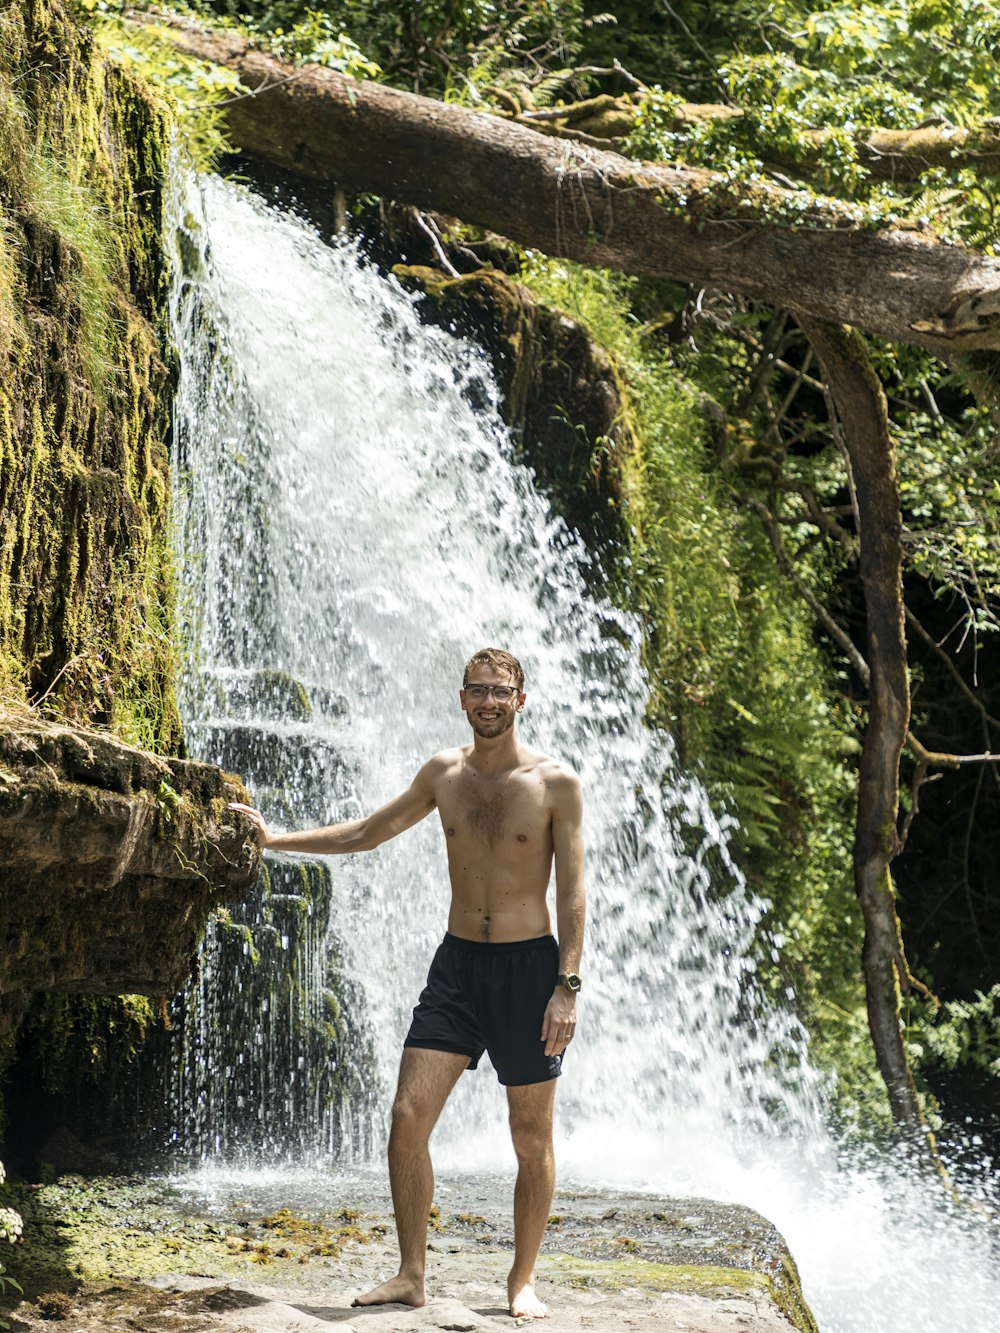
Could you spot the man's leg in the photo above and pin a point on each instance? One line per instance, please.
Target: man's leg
(531, 1129)
(425, 1080)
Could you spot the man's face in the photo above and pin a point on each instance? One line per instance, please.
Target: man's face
(488, 715)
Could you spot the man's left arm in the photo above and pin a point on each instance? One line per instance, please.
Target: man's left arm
(559, 1023)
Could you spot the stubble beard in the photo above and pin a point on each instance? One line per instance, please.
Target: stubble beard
(490, 730)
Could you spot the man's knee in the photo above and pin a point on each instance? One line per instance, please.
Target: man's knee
(531, 1136)
(411, 1117)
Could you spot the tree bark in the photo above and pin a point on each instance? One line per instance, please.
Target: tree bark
(577, 201)
(861, 406)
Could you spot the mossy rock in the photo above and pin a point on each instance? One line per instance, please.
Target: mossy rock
(86, 583)
(565, 397)
(113, 859)
(705, 1280)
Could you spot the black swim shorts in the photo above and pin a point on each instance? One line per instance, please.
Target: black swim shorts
(490, 997)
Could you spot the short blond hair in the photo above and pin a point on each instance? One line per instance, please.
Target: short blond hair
(499, 661)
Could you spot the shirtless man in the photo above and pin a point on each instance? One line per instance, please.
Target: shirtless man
(498, 982)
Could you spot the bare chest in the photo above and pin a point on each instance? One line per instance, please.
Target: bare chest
(510, 813)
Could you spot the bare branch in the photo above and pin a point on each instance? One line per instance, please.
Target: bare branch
(952, 669)
(836, 631)
(943, 759)
(429, 228)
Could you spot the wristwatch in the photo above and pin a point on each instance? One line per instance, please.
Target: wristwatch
(570, 980)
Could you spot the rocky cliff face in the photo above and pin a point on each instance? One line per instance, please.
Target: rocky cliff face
(85, 582)
(111, 854)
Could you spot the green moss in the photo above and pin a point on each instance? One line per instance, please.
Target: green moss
(78, 1038)
(86, 584)
(314, 1238)
(239, 935)
(615, 1275)
(119, 1231)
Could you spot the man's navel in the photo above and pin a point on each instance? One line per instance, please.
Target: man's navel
(522, 837)
(450, 832)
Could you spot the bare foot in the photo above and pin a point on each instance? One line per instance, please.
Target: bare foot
(524, 1304)
(398, 1290)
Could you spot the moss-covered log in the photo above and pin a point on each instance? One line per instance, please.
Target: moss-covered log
(823, 257)
(887, 155)
(112, 859)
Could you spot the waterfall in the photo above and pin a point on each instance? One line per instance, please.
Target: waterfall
(354, 524)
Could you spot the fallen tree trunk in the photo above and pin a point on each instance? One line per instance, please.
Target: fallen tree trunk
(573, 200)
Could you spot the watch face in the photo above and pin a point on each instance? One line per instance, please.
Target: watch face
(571, 981)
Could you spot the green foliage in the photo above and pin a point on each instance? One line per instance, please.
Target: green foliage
(72, 209)
(195, 91)
(810, 81)
(942, 51)
(315, 40)
(429, 45)
(785, 457)
(958, 1033)
(735, 671)
(948, 470)
(949, 487)
(11, 1226)
(30, 156)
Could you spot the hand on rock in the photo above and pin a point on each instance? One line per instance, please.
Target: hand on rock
(257, 821)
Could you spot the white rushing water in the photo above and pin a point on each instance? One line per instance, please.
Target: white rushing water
(354, 525)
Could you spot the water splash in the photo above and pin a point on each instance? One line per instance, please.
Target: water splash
(354, 525)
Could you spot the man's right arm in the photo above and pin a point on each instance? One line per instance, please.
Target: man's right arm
(356, 835)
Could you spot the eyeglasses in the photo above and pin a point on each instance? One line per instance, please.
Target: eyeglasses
(502, 693)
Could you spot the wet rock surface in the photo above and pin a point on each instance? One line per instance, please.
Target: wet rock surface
(112, 1254)
(112, 859)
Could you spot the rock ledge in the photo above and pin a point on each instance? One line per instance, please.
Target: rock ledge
(111, 859)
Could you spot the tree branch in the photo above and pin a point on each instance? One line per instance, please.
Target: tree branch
(863, 413)
(952, 669)
(836, 632)
(944, 759)
(898, 156)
